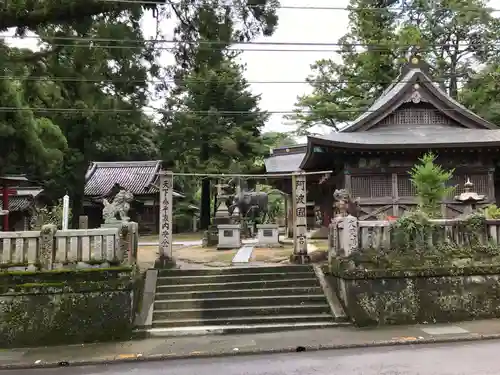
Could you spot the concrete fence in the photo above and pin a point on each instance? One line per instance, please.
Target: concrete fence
(77, 248)
(348, 234)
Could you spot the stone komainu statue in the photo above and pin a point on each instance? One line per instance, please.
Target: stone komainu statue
(118, 209)
(344, 204)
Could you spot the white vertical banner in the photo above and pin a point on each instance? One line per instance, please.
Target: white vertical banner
(166, 204)
(299, 201)
(65, 212)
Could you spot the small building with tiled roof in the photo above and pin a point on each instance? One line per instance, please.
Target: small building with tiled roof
(371, 157)
(23, 201)
(104, 180)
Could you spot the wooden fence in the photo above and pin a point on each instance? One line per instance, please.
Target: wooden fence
(349, 234)
(68, 248)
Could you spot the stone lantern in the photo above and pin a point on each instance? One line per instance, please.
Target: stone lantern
(469, 197)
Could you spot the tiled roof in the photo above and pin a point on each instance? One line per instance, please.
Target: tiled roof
(138, 177)
(284, 163)
(17, 203)
(135, 176)
(411, 138)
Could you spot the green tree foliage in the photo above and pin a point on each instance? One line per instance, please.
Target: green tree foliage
(24, 15)
(277, 139)
(451, 35)
(482, 93)
(209, 85)
(99, 102)
(340, 90)
(431, 184)
(26, 140)
(219, 115)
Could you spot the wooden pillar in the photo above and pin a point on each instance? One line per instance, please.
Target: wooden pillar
(395, 195)
(491, 185)
(299, 201)
(165, 255)
(289, 216)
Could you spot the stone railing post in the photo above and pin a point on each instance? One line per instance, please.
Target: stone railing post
(47, 246)
(128, 242)
(333, 239)
(350, 235)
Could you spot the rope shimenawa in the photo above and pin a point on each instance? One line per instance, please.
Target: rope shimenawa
(222, 175)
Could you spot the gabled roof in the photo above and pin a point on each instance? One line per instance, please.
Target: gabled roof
(416, 72)
(138, 177)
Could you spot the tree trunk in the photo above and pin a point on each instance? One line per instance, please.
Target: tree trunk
(205, 204)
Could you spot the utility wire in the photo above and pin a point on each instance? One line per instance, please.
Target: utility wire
(213, 112)
(373, 48)
(123, 43)
(299, 7)
(190, 80)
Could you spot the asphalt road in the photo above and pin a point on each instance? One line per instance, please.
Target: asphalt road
(479, 358)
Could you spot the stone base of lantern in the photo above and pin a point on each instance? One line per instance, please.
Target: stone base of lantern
(300, 258)
(268, 235)
(229, 237)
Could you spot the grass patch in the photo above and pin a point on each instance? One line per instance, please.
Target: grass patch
(204, 255)
(190, 236)
(320, 244)
(271, 255)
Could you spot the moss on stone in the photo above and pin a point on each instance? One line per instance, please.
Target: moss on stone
(65, 306)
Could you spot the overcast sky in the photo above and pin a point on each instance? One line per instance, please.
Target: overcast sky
(300, 26)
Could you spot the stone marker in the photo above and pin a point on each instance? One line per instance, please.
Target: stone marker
(268, 234)
(229, 236)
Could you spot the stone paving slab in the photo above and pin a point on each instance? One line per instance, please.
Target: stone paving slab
(243, 255)
(233, 344)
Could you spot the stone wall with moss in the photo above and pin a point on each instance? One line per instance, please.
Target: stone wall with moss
(65, 306)
(378, 297)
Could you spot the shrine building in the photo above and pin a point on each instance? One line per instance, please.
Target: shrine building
(371, 157)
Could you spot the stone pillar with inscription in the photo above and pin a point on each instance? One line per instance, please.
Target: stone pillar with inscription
(299, 212)
(165, 256)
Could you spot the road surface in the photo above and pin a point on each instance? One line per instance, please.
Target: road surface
(473, 358)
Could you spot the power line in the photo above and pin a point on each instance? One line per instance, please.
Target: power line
(302, 7)
(123, 43)
(190, 80)
(373, 48)
(163, 111)
(173, 49)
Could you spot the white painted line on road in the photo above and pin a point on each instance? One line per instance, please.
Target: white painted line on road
(444, 330)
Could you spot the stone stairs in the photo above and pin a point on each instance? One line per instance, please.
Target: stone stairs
(279, 297)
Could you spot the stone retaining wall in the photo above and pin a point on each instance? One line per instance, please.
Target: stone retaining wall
(378, 297)
(65, 306)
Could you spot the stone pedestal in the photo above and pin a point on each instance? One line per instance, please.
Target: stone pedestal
(229, 236)
(268, 234)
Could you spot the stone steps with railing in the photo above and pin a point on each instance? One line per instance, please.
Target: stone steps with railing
(280, 297)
